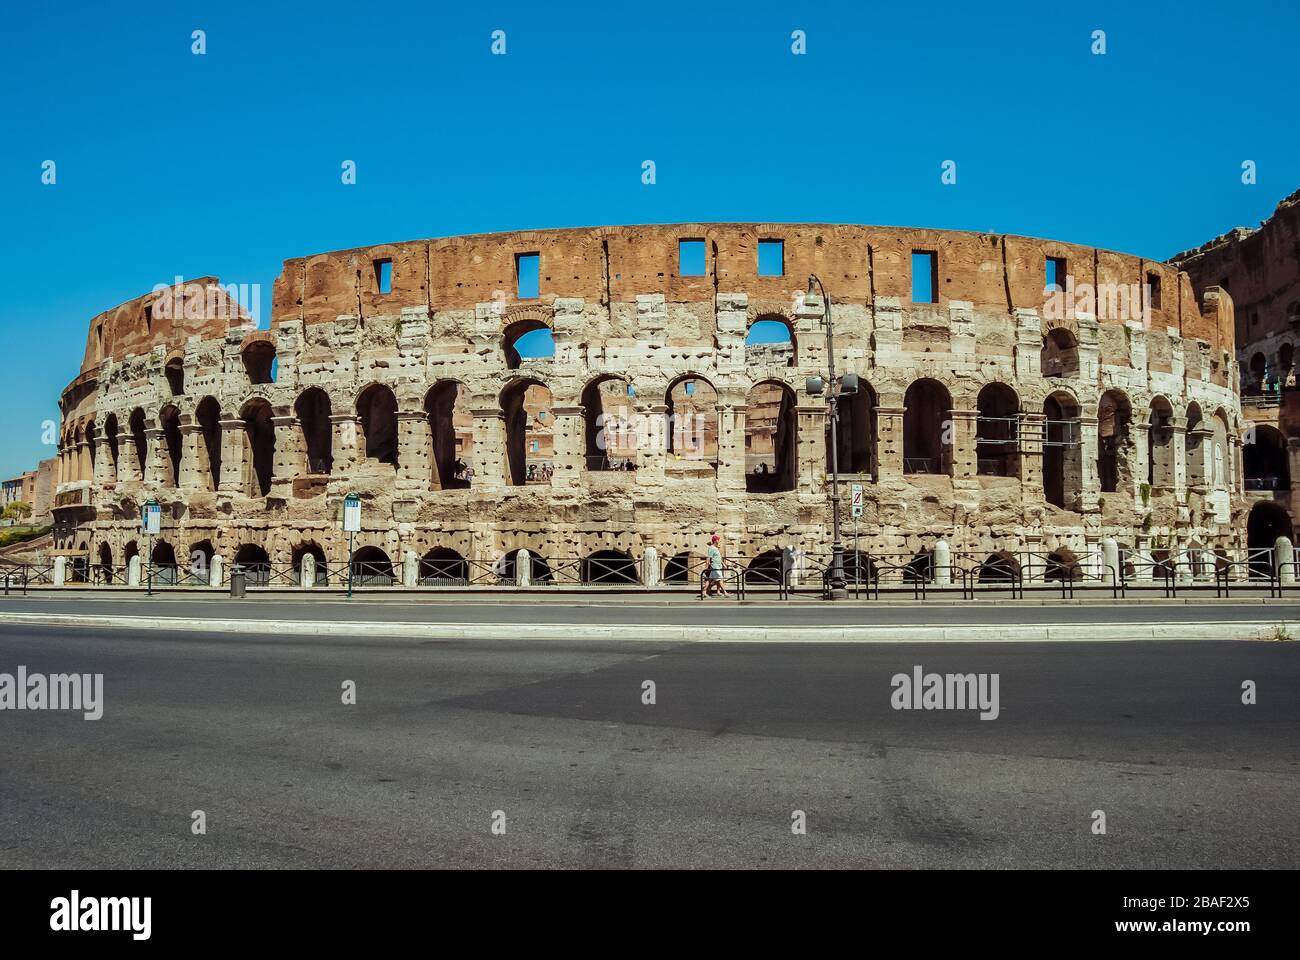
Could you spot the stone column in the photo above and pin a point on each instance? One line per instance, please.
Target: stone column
(964, 451)
(1199, 442)
(651, 427)
(1090, 481)
(810, 454)
(569, 443)
(1032, 433)
(414, 449)
(731, 448)
(889, 442)
(128, 464)
(105, 474)
(489, 457)
(159, 469)
(191, 477)
(290, 456)
(1179, 442)
(236, 457)
(346, 442)
(1139, 460)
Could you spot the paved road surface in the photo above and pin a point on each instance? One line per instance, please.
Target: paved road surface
(251, 730)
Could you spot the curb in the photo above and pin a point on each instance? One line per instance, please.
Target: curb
(672, 633)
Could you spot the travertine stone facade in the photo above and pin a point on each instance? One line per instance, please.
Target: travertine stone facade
(987, 417)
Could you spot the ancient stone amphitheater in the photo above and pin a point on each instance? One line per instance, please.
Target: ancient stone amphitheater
(992, 413)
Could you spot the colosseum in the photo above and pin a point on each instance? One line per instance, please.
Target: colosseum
(1015, 397)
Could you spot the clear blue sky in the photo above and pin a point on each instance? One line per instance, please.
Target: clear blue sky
(227, 163)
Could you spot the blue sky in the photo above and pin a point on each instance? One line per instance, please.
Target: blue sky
(227, 163)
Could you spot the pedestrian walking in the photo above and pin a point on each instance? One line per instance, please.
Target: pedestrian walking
(715, 583)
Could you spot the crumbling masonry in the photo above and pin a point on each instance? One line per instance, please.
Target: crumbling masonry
(986, 416)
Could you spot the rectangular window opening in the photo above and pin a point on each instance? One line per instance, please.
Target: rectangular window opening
(384, 276)
(690, 258)
(771, 258)
(925, 276)
(1153, 284)
(528, 275)
(1054, 273)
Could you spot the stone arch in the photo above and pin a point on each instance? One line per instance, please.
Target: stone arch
(371, 567)
(169, 419)
(208, 417)
(526, 407)
(310, 548)
(255, 563)
(442, 565)
(1258, 371)
(541, 570)
(1062, 451)
(927, 426)
(1285, 363)
(1160, 444)
(771, 438)
(104, 572)
(451, 434)
(997, 431)
(855, 440)
(314, 410)
(692, 418)
(376, 409)
(257, 353)
(163, 561)
(1267, 521)
(1114, 441)
(999, 567)
(201, 553)
(608, 414)
(111, 430)
(174, 371)
(764, 343)
(765, 568)
(609, 567)
(140, 441)
(1059, 356)
(259, 446)
(1062, 564)
(920, 567)
(519, 323)
(1265, 463)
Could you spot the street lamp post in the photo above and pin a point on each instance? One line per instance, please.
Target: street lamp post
(839, 590)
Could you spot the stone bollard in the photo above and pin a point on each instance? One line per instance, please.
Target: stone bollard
(942, 564)
(1283, 555)
(215, 571)
(410, 569)
(308, 575)
(650, 567)
(60, 571)
(523, 569)
(1110, 572)
(133, 571)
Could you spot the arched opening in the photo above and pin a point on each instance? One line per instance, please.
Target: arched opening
(1267, 522)
(856, 438)
(1160, 445)
(920, 567)
(111, 431)
(201, 554)
(1264, 461)
(104, 572)
(170, 421)
(508, 573)
(608, 418)
(140, 442)
(770, 342)
(451, 432)
(999, 567)
(208, 417)
(92, 437)
(771, 438)
(316, 552)
(527, 340)
(1062, 451)
(259, 361)
(609, 567)
(1062, 564)
(1114, 414)
(678, 568)
(313, 410)
(859, 568)
(1060, 354)
(163, 560)
(175, 373)
(692, 420)
(254, 563)
(526, 405)
(764, 569)
(80, 571)
(1285, 363)
(1258, 372)
(131, 550)
(371, 568)
(927, 426)
(1197, 442)
(377, 410)
(997, 432)
(259, 447)
(443, 567)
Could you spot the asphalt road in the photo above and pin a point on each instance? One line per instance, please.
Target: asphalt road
(623, 609)
(252, 731)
